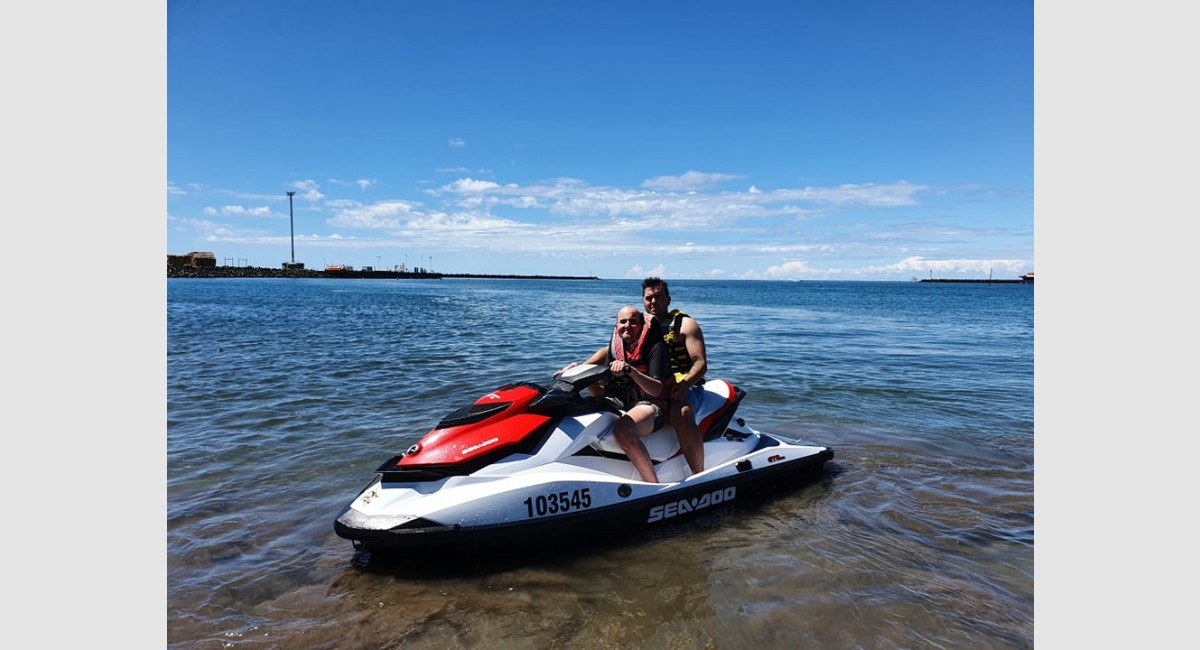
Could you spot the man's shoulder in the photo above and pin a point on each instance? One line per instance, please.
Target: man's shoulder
(678, 316)
(686, 322)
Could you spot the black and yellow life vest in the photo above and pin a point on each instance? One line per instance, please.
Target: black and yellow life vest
(677, 352)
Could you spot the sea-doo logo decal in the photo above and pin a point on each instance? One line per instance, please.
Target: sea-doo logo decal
(492, 396)
(478, 446)
(684, 506)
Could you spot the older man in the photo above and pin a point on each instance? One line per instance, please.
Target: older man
(637, 357)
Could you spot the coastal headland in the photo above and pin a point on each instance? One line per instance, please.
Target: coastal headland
(263, 272)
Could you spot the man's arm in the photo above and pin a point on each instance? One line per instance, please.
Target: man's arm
(598, 356)
(693, 340)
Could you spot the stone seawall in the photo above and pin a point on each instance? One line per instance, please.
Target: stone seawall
(261, 272)
(239, 272)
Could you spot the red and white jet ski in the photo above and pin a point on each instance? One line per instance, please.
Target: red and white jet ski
(527, 466)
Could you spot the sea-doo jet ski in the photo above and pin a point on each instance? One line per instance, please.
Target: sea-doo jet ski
(528, 465)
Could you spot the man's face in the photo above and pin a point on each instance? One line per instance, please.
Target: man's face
(656, 301)
(629, 324)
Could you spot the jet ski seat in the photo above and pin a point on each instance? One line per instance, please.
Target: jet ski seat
(713, 416)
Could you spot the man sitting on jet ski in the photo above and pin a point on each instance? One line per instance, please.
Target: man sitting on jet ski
(637, 357)
(687, 363)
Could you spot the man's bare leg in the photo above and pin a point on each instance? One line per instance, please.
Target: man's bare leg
(628, 435)
(690, 441)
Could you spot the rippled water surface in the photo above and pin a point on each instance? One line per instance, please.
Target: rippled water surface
(284, 395)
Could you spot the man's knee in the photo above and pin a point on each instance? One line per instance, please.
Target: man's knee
(623, 430)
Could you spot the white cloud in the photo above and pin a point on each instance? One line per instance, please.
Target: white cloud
(238, 211)
(485, 215)
(890, 194)
(789, 270)
(668, 221)
(308, 190)
(636, 271)
(469, 185)
(362, 183)
(382, 215)
(688, 181)
(975, 268)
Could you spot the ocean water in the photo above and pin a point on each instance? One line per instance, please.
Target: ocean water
(284, 395)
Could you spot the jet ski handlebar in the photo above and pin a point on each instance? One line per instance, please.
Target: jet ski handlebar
(578, 377)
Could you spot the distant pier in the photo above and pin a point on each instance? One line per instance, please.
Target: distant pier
(1024, 279)
(975, 281)
(263, 272)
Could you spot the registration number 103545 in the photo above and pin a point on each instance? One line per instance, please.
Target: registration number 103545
(558, 502)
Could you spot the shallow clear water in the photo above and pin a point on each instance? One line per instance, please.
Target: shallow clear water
(284, 395)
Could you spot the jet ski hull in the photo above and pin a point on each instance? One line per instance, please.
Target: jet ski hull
(526, 467)
(613, 508)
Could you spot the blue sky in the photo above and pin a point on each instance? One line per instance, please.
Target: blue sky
(776, 140)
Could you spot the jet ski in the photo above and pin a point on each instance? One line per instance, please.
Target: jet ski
(530, 465)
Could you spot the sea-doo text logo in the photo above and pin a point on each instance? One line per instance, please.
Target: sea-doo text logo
(478, 446)
(683, 506)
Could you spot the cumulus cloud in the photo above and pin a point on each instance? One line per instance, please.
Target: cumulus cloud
(684, 222)
(381, 215)
(637, 272)
(308, 190)
(457, 142)
(789, 270)
(565, 213)
(468, 185)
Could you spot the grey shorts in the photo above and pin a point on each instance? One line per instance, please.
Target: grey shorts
(659, 417)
